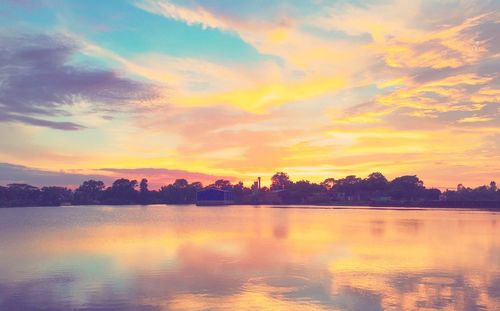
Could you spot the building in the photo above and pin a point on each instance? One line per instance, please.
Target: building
(214, 196)
(256, 185)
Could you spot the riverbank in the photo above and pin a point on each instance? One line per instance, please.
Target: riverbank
(482, 205)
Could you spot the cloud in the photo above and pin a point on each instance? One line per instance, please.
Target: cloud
(192, 16)
(157, 177)
(304, 65)
(162, 176)
(440, 69)
(12, 173)
(463, 44)
(260, 98)
(39, 82)
(230, 17)
(474, 119)
(67, 126)
(403, 86)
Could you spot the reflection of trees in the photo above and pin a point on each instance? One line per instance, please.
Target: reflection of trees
(411, 226)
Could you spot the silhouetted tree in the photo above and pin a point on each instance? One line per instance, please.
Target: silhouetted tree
(22, 195)
(181, 183)
(408, 187)
(373, 187)
(280, 181)
(222, 184)
(143, 186)
(328, 183)
(55, 196)
(349, 187)
(481, 193)
(144, 194)
(197, 185)
(180, 192)
(302, 191)
(406, 190)
(3, 196)
(241, 193)
(431, 194)
(90, 192)
(375, 182)
(122, 192)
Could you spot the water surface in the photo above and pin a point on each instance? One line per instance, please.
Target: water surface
(248, 258)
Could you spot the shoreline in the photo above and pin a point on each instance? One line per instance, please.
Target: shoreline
(337, 206)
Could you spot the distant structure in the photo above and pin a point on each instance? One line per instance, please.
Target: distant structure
(214, 196)
(256, 185)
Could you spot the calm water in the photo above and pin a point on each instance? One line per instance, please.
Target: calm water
(238, 258)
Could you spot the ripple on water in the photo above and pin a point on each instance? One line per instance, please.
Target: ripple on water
(279, 284)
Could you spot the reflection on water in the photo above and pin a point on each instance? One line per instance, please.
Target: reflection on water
(236, 258)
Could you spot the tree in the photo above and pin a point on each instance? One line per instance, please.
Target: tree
(493, 186)
(3, 196)
(180, 192)
(144, 194)
(431, 194)
(223, 184)
(90, 192)
(124, 184)
(122, 192)
(328, 183)
(55, 196)
(375, 187)
(302, 191)
(280, 181)
(408, 187)
(349, 186)
(22, 195)
(180, 183)
(197, 185)
(143, 186)
(375, 182)
(240, 192)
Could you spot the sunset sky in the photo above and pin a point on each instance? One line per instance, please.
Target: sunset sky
(239, 89)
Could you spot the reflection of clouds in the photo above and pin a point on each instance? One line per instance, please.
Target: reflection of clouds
(429, 290)
(494, 288)
(181, 258)
(61, 292)
(41, 292)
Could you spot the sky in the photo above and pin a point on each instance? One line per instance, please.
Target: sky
(207, 89)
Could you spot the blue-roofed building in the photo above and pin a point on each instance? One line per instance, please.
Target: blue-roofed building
(214, 196)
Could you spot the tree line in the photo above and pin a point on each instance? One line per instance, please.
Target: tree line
(375, 189)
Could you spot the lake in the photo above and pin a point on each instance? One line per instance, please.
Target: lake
(248, 258)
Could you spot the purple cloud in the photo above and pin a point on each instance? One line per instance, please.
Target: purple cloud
(11, 173)
(162, 176)
(38, 80)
